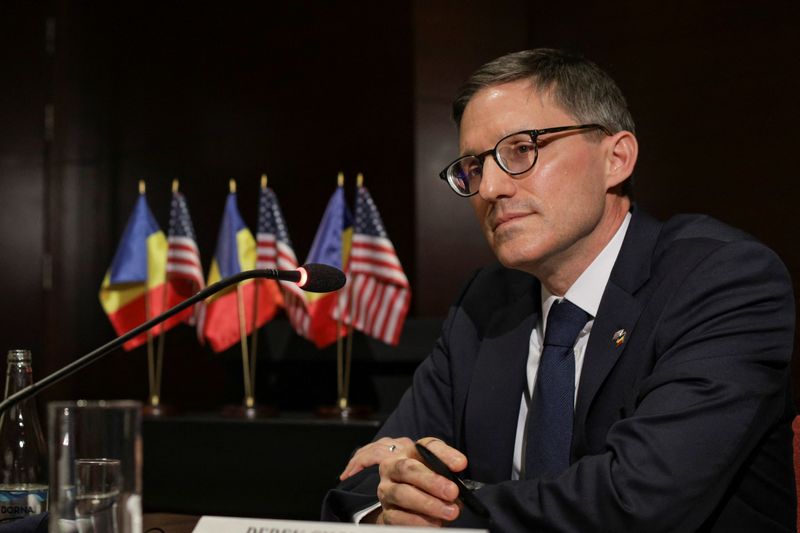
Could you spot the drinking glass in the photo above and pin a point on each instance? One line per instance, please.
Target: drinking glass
(95, 467)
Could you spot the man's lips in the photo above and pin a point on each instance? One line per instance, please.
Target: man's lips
(500, 219)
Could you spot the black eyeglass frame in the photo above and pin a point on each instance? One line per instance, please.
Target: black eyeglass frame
(445, 174)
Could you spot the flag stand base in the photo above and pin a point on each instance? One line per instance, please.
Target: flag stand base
(156, 411)
(357, 412)
(249, 413)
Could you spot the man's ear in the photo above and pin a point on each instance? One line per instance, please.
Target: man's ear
(623, 149)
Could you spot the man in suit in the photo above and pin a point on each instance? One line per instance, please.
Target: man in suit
(671, 342)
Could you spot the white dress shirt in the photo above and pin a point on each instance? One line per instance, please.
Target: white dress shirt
(586, 293)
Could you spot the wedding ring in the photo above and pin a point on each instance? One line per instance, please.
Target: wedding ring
(392, 447)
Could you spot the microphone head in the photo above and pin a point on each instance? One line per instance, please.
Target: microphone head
(316, 277)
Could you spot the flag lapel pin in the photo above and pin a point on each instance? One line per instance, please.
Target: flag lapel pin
(619, 337)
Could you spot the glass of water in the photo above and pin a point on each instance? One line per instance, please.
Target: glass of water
(97, 493)
(95, 467)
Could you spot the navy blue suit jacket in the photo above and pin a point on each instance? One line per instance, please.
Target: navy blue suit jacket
(685, 426)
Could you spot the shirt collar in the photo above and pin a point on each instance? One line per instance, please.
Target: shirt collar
(587, 291)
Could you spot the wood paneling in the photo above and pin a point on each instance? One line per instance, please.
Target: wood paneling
(23, 77)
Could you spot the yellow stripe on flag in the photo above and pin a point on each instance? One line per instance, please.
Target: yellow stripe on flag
(156, 259)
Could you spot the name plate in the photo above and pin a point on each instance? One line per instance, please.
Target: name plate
(223, 524)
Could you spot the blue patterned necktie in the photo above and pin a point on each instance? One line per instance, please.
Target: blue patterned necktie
(548, 429)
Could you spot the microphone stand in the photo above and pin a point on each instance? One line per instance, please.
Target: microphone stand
(98, 353)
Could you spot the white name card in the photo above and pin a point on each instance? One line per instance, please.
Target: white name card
(223, 524)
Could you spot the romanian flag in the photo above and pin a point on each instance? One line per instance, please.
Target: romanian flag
(133, 288)
(236, 252)
(331, 246)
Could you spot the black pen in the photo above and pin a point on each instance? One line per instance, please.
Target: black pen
(464, 493)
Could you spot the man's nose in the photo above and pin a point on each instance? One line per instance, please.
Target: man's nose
(495, 182)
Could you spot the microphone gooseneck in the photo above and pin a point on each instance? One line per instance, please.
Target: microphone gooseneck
(318, 278)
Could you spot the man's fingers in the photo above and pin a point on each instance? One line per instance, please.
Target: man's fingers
(369, 455)
(411, 472)
(416, 499)
(409, 492)
(454, 459)
(374, 453)
(385, 448)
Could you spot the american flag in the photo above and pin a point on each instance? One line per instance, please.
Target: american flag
(183, 256)
(377, 297)
(274, 250)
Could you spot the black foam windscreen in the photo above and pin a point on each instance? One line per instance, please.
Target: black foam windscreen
(322, 278)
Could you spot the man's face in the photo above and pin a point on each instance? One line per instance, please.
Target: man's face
(538, 220)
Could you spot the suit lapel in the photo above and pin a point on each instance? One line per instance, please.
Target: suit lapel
(618, 313)
(495, 391)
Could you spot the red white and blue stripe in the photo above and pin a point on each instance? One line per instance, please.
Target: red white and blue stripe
(274, 250)
(184, 270)
(377, 298)
(183, 255)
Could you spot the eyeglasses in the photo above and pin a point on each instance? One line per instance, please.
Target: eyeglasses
(515, 154)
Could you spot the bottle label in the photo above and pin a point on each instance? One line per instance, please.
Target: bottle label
(21, 503)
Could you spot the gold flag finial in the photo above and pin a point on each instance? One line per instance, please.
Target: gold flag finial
(340, 179)
(360, 179)
(175, 185)
(142, 188)
(263, 181)
(232, 186)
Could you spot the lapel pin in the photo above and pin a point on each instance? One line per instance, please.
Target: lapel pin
(619, 337)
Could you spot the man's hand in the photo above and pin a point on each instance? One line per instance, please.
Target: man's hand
(409, 492)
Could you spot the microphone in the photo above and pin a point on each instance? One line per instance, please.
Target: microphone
(312, 277)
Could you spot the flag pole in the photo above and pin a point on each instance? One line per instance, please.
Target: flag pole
(150, 361)
(254, 335)
(249, 400)
(248, 386)
(343, 401)
(161, 332)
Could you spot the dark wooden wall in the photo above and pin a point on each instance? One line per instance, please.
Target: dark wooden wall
(23, 86)
(713, 89)
(96, 95)
(157, 91)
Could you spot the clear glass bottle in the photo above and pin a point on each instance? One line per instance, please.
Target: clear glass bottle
(23, 453)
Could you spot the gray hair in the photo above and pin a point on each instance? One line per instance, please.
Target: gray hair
(576, 84)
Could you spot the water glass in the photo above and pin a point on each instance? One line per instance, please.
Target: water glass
(95, 467)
